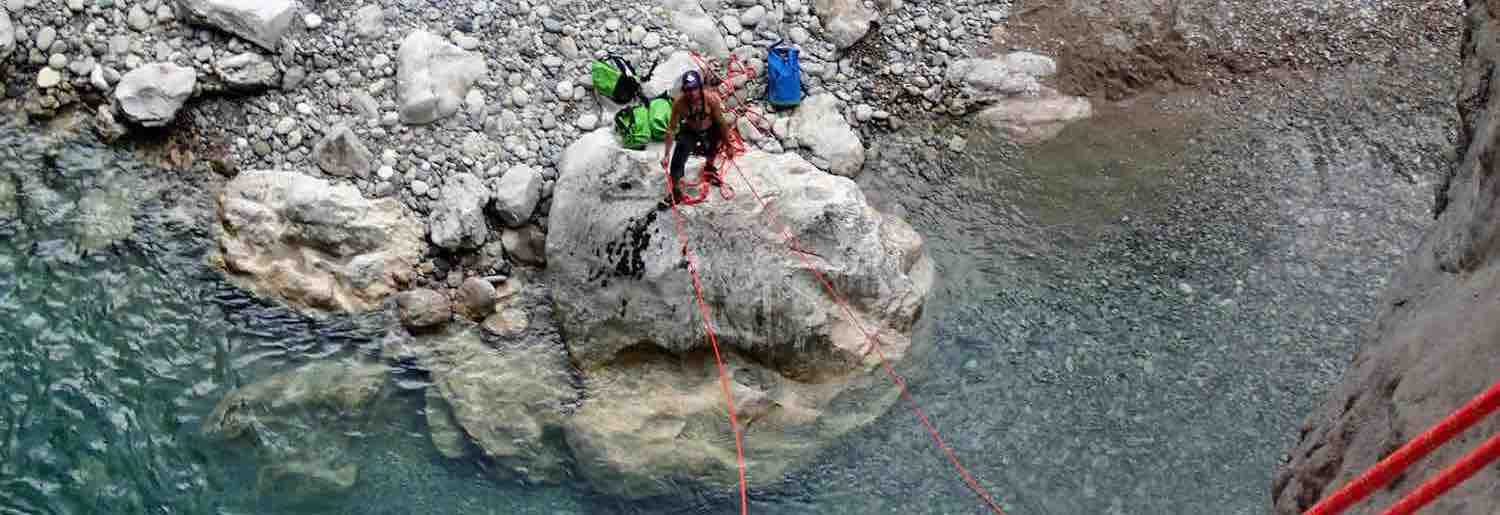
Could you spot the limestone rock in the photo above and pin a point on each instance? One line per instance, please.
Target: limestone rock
(689, 18)
(369, 21)
(819, 125)
(152, 94)
(432, 77)
(457, 221)
(507, 401)
(516, 193)
(262, 22)
(324, 393)
(1031, 120)
(1434, 345)
(476, 298)
(527, 245)
(992, 77)
(845, 21)
(447, 437)
(248, 71)
(615, 262)
(668, 73)
(423, 308)
(298, 421)
(316, 245)
(7, 36)
(341, 153)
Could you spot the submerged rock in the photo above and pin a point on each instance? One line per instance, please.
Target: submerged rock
(316, 245)
(433, 76)
(319, 394)
(509, 401)
(1034, 120)
(298, 422)
(152, 94)
(422, 308)
(449, 439)
(527, 245)
(261, 22)
(820, 126)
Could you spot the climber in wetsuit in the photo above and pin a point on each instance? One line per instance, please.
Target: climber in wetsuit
(701, 114)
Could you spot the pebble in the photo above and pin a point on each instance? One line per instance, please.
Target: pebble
(587, 122)
(565, 90)
(312, 20)
(45, 38)
(75, 5)
(48, 77)
(385, 172)
(285, 125)
(752, 16)
(419, 187)
(138, 19)
(57, 61)
(519, 97)
(549, 121)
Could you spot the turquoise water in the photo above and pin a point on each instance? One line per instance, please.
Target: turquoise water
(1068, 369)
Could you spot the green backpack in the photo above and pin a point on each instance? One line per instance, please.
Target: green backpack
(614, 78)
(659, 111)
(633, 124)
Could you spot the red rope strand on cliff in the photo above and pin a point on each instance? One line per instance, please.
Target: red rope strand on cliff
(713, 340)
(1468, 465)
(1414, 449)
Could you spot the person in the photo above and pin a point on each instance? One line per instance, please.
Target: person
(699, 115)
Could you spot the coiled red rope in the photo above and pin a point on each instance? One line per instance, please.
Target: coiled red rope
(1423, 444)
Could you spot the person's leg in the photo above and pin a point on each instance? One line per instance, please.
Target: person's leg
(684, 147)
(711, 152)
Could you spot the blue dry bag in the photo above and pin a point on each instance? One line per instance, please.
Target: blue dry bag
(783, 76)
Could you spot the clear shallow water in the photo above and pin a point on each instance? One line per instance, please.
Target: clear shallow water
(1070, 369)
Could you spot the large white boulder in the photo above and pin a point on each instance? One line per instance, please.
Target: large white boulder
(262, 22)
(800, 374)
(152, 94)
(432, 77)
(614, 260)
(313, 244)
(820, 126)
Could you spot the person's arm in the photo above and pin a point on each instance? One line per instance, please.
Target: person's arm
(666, 153)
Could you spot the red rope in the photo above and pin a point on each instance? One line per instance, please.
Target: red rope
(713, 340)
(1388, 468)
(1466, 467)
